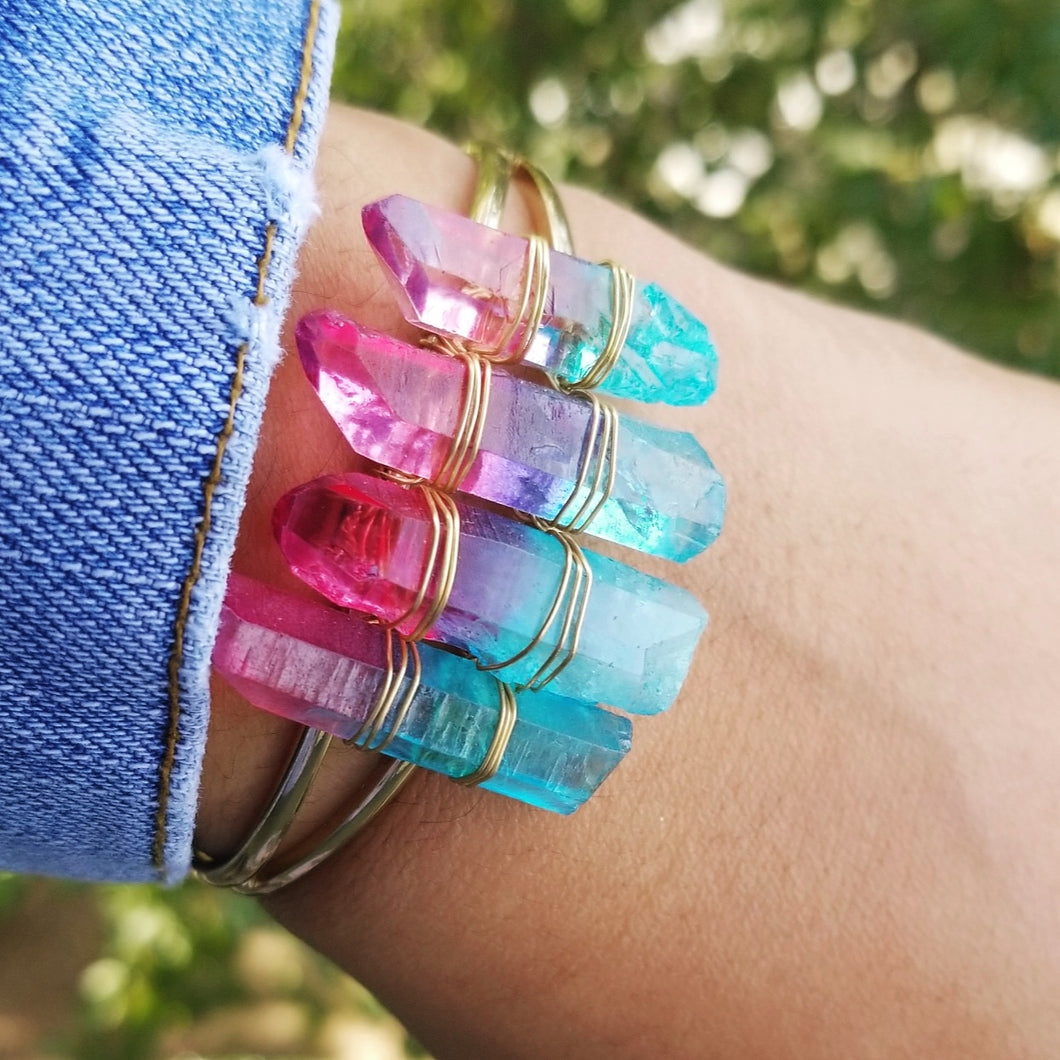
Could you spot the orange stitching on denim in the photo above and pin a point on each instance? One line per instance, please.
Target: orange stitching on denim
(212, 480)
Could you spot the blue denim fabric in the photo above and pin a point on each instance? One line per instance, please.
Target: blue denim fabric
(150, 149)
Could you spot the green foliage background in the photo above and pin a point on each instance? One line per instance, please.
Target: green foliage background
(900, 155)
(894, 154)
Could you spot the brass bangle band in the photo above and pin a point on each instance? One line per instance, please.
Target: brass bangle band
(391, 779)
(267, 835)
(495, 170)
(243, 871)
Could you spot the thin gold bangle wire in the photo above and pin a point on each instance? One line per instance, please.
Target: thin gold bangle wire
(496, 168)
(392, 779)
(266, 836)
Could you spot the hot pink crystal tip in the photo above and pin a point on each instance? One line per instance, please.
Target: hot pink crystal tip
(316, 323)
(317, 327)
(280, 514)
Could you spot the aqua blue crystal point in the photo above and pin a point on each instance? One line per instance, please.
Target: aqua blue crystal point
(399, 405)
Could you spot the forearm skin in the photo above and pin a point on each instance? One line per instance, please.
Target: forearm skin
(842, 841)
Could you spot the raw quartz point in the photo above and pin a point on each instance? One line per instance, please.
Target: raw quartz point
(399, 405)
(363, 543)
(458, 278)
(324, 668)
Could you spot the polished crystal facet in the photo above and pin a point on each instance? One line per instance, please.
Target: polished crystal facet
(464, 280)
(399, 405)
(364, 543)
(324, 668)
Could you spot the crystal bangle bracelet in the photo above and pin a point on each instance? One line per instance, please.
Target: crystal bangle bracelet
(477, 640)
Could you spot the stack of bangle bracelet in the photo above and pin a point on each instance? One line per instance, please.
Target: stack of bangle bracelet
(466, 628)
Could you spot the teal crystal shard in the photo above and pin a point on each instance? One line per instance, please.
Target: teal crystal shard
(466, 281)
(324, 668)
(665, 341)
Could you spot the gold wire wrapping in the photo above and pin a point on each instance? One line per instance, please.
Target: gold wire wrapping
(536, 279)
(597, 467)
(439, 571)
(491, 761)
(367, 737)
(622, 286)
(572, 600)
(471, 420)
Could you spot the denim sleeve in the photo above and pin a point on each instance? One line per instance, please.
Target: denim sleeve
(155, 161)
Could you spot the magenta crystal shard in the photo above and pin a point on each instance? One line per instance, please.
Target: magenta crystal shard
(399, 405)
(466, 281)
(366, 543)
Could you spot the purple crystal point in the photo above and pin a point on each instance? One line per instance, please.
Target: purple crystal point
(325, 668)
(365, 543)
(458, 278)
(399, 405)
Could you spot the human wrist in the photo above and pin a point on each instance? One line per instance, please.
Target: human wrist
(798, 755)
(247, 749)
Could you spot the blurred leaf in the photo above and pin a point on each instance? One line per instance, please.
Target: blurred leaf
(853, 97)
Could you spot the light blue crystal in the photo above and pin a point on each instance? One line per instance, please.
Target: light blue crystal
(558, 753)
(637, 638)
(668, 498)
(668, 354)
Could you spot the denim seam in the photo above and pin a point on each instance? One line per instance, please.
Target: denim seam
(213, 479)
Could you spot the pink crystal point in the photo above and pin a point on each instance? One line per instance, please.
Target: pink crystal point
(395, 404)
(361, 542)
(326, 669)
(444, 281)
(458, 278)
(331, 690)
(399, 405)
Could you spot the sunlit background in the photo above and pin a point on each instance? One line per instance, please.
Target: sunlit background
(898, 155)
